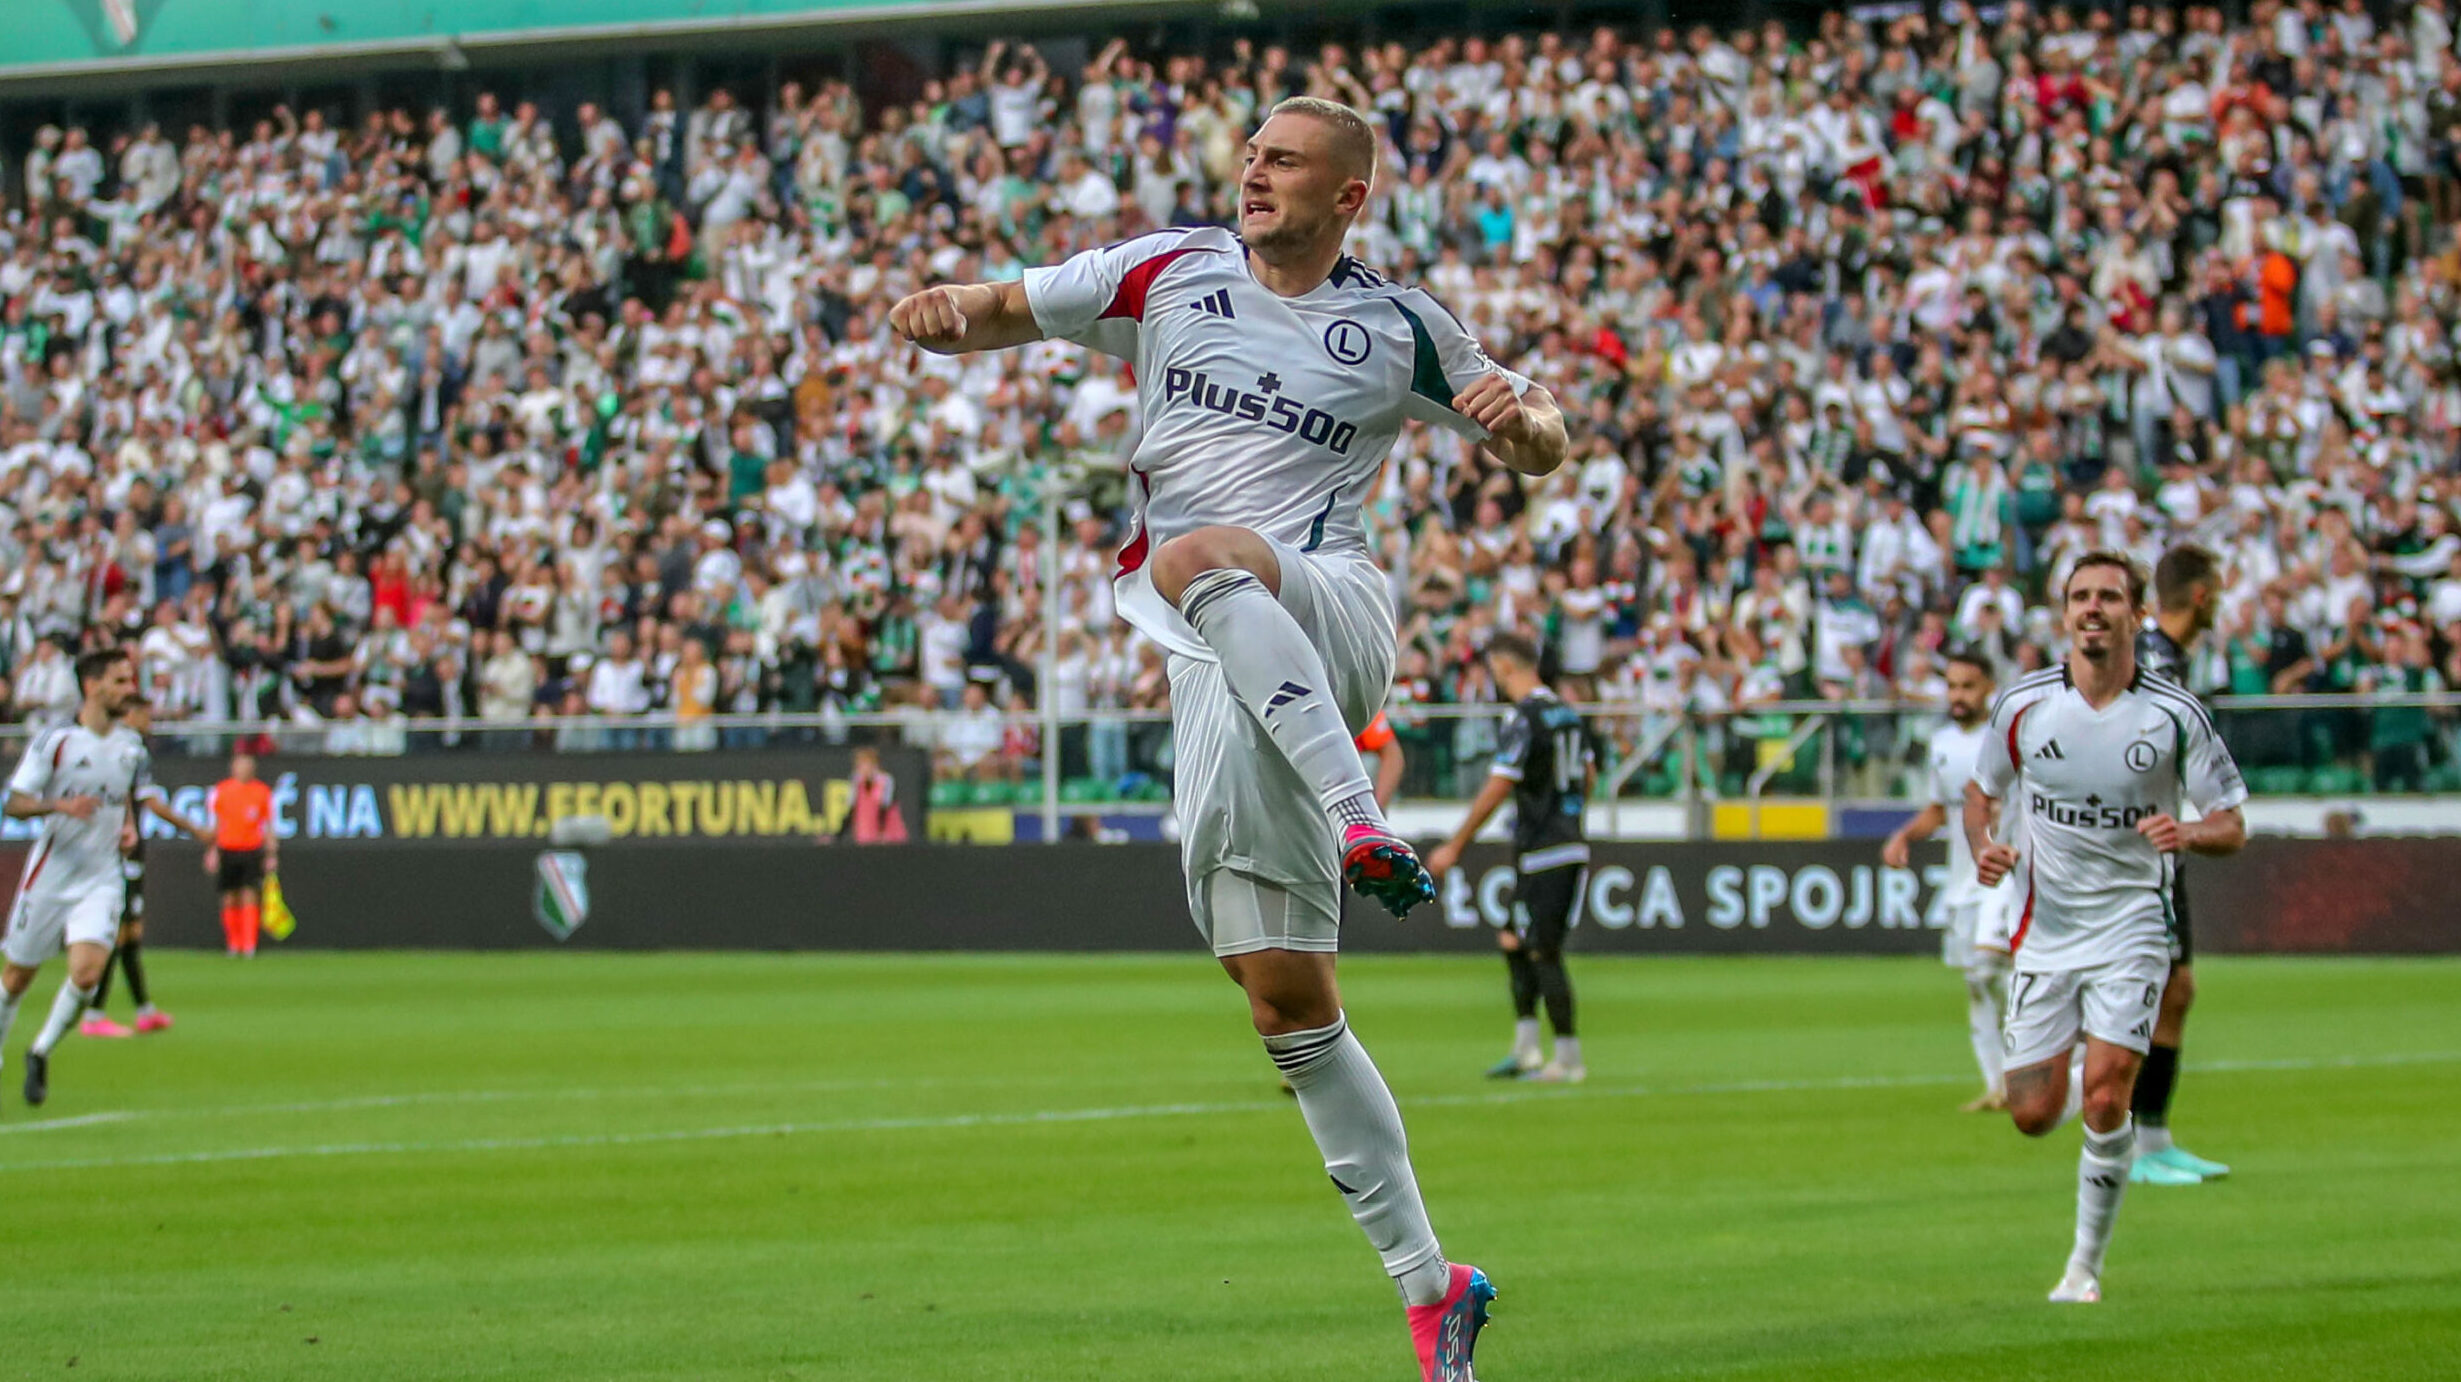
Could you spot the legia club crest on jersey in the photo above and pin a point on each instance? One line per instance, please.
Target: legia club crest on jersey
(562, 900)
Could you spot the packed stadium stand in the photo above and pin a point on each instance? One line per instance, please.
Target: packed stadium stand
(509, 412)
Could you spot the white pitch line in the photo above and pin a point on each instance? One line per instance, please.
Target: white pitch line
(415, 1098)
(83, 1120)
(939, 1122)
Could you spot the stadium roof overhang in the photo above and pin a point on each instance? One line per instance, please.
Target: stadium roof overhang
(275, 63)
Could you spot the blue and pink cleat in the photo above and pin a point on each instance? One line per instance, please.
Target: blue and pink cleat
(1379, 864)
(1446, 1333)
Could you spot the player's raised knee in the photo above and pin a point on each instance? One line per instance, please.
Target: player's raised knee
(1218, 548)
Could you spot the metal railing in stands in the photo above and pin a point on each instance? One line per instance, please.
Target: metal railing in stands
(1829, 750)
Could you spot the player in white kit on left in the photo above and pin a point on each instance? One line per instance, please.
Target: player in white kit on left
(1275, 373)
(1980, 920)
(82, 781)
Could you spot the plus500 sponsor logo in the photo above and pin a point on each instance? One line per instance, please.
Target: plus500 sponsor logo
(2090, 814)
(1271, 410)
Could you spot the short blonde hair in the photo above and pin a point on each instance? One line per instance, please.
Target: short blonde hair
(1354, 140)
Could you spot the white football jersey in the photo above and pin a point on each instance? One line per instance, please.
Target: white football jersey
(1262, 412)
(2096, 891)
(70, 855)
(1953, 752)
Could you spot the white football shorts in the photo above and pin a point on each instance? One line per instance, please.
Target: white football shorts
(42, 924)
(2115, 1002)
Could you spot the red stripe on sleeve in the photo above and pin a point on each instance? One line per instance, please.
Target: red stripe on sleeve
(1133, 556)
(1129, 301)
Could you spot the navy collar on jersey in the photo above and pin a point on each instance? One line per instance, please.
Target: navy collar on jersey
(1346, 270)
(2136, 676)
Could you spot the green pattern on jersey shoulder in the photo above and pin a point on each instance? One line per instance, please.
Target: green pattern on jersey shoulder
(1426, 367)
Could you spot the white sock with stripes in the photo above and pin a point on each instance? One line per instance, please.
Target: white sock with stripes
(1357, 1126)
(8, 1015)
(65, 1010)
(2101, 1181)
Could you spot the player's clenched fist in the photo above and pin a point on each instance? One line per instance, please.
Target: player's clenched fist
(1491, 403)
(1993, 863)
(930, 318)
(2164, 832)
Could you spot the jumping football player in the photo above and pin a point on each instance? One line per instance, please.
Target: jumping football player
(1980, 919)
(128, 957)
(2104, 756)
(2187, 592)
(81, 781)
(1274, 373)
(1545, 763)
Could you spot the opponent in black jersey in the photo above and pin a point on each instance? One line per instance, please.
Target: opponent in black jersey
(2158, 652)
(128, 956)
(2187, 587)
(1544, 762)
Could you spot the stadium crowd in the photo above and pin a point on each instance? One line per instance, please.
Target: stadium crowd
(513, 412)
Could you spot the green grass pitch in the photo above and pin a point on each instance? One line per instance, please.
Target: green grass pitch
(590, 1166)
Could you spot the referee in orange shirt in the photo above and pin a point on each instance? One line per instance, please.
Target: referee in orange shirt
(243, 852)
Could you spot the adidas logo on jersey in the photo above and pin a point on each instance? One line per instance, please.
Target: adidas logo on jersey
(2050, 749)
(1290, 691)
(1215, 304)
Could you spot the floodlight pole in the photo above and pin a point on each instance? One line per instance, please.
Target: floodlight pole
(1047, 699)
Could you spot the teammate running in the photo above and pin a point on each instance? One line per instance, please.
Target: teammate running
(82, 781)
(2187, 592)
(242, 853)
(1980, 919)
(1544, 762)
(2105, 756)
(1274, 373)
(128, 956)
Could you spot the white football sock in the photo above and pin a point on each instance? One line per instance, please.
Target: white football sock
(2076, 1087)
(2101, 1179)
(65, 1010)
(1525, 1038)
(8, 1014)
(1273, 670)
(1568, 1052)
(1982, 1021)
(2151, 1138)
(1351, 1114)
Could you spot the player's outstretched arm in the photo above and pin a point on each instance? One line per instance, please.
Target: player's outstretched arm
(26, 806)
(1491, 796)
(1899, 851)
(161, 811)
(958, 319)
(1525, 431)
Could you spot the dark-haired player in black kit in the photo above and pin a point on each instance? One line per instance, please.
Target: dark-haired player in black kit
(2187, 589)
(128, 956)
(1544, 762)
